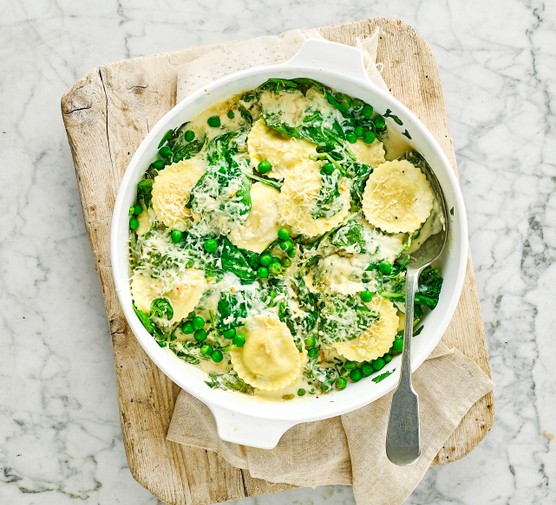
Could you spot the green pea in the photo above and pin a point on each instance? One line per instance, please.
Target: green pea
(286, 245)
(239, 340)
(176, 236)
(214, 121)
(379, 122)
(187, 328)
(387, 358)
(385, 267)
(398, 345)
(340, 383)
(292, 253)
(137, 209)
(158, 164)
(262, 272)
(230, 114)
(189, 135)
(264, 167)
(134, 223)
(283, 234)
(210, 245)
(345, 100)
(217, 356)
(286, 262)
(328, 168)
(206, 349)
(266, 259)
(165, 151)
(369, 137)
(367, 369)
(379, 364)
(275, 259)
(351, 138)
(310, 342)
(229, 333)
(313, 352)
(275, 268)
(367, 111)
(359, 131)
(357, 104)
(350, 365)
(200, 335)
(301, 392)
(366, 296)
(198, 323)
(355, 375)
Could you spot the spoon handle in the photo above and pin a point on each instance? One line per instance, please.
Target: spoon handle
(402, 438)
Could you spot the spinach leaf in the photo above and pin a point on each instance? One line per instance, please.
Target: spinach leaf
(306, 302)
(162, 308)
(321, 375)
(343, 318)
(235, 262)
(144, 189)
(251, 257)
(160, 337)
(222, 194)
(232, 311)
(187, 351)
(382, 376)
(229, 380)
(145, 320)
(359, 173)
(181, 149)
(328, 202)
(350, 236)
(428, 292)
(430, 284)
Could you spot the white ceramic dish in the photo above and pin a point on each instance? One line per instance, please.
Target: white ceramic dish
(245, 419)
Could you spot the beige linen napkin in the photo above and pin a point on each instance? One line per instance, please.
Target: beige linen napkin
(349, 449)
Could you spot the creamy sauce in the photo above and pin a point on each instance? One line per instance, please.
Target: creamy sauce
(210, 267)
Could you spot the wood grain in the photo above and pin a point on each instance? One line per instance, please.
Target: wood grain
(106, 115)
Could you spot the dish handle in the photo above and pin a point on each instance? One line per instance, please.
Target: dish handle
(320, 54)
(248, 430)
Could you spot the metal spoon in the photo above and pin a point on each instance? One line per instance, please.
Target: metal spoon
(403, 444)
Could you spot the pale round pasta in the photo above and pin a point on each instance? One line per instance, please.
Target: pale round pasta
(261, 226)
(377, 339)
(171, 191)
(269, 359)
(397, 197)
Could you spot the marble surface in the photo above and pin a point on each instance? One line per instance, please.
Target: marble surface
(60, 440)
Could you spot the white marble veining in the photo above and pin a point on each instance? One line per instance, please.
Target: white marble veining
(60, 440)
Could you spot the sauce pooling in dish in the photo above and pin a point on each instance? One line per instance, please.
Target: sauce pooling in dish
(269, 240)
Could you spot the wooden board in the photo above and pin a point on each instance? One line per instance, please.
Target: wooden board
(107, 114)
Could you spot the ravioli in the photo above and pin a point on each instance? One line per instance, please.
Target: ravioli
(298, 198)
(171, 190)
(184, 295)
(269, 360)
(284, 153)
(370, 154)
(261, 226)
(397, 197)
(377, 339)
